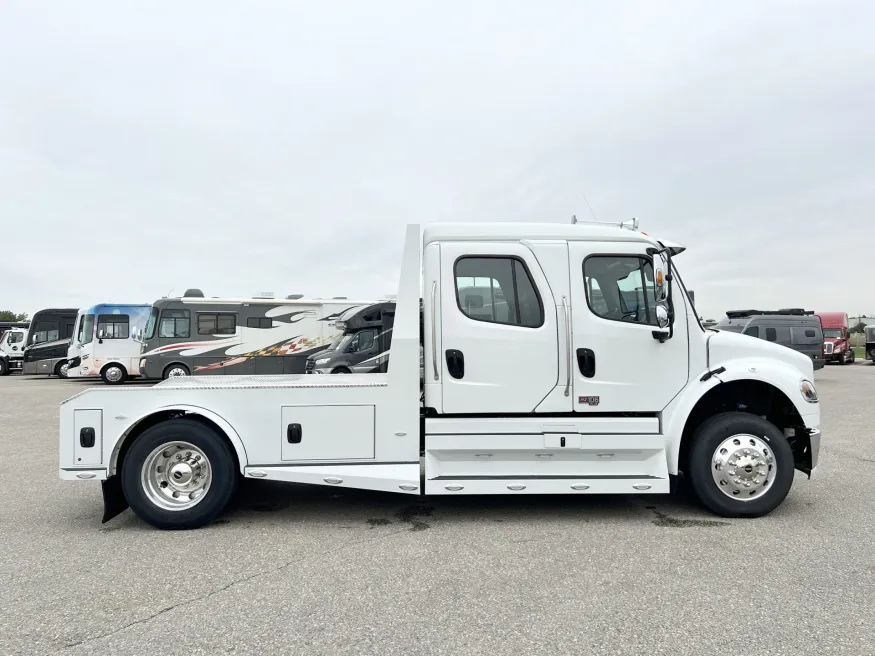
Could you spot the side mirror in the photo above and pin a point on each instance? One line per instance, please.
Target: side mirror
(661, 287)
(662, 318)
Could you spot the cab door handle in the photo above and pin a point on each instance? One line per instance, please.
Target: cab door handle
(455, 363)
(586, 362)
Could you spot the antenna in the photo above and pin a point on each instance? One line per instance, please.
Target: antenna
(169, 293)
(590, 207)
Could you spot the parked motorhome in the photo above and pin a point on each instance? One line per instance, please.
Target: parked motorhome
(794, 328)
(362, 347)
(48, 339)
(836, 337)
(107, 341)
(12, 350)
(553, 396)
(197, 335)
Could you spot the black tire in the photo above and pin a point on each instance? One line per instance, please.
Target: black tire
(341, 370)
(177, 366)
(61, 369)
(224, 474)
(842, 359)
(853, 356)
(709, 437)
(4, 367)
(109, 378)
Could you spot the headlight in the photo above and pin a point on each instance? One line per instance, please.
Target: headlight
(142, 363)
(808, 391)
(321, 360)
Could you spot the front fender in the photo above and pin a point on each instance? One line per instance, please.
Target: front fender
(783, 377)
(225, 427)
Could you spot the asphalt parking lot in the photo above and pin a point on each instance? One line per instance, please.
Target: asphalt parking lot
(300, 570)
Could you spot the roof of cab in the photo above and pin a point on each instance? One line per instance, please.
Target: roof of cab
(541, 231)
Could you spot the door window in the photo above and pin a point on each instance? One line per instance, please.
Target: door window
(113, 326)
(175, 324)
(497, 290)
(753, 331)
(220, 323)
(14, 338)
(620, 288)
(362, 341)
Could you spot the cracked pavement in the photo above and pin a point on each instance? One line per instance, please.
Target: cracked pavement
(308, 570)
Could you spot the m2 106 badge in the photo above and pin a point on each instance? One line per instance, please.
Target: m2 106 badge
(588, 400)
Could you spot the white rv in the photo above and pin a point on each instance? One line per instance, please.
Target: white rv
(556, 389)
(106, 342)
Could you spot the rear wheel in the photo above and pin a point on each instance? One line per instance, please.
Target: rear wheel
(853, 356)
(175, 371)
(740, 465)
(61, 369)
(179, 474)
(114, 374)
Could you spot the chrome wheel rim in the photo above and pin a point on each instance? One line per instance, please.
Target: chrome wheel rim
(743, 467)
(63, 370)
(176, 476)
(176, 372)
(114, 374)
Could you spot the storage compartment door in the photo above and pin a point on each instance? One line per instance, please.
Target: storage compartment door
(88, 437)
(327, 432)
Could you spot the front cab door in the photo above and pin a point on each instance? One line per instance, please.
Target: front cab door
(618, 364)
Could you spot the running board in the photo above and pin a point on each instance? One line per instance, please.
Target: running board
(552, 485)
(403, 478)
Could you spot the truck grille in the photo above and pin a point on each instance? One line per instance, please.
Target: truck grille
(828, 347)
(311, 364)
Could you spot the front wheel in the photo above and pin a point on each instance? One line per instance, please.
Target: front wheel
(4, 368)
(114, 374)
(842, 359)
(61, 369)
(740, 465)
(179, 474)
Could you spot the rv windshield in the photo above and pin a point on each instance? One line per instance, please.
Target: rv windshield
(832, 332)
(87, 329)
(149, 333)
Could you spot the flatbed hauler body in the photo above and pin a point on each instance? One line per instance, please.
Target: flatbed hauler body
(558, 359)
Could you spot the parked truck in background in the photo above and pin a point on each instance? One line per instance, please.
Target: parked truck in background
(544, 392)
(870, 342)
(836, 337)
(12, 350)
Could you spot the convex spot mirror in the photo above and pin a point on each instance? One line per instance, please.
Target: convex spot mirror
(662, 319)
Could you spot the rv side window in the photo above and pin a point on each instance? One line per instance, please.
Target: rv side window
(87, 329)
(497, 290)
(804, 336)
(771, 335)
(113, 326)
(620, 287)
(259, 322)
(216, 323)
(753, 331)
(175, 323)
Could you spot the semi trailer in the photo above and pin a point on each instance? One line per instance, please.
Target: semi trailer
(579, 368)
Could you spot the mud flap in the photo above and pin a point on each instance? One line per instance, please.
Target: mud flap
(114, 502)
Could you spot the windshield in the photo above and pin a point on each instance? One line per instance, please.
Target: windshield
(87, 334)
(832, 332)
(732, 328)
(149, 333)
(333, 345)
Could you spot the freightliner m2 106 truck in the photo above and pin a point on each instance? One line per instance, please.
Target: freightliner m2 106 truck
(575, 366)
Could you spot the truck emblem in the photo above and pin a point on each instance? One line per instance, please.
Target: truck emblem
(588, 400)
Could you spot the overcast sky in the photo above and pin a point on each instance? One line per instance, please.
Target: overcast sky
(281, 146)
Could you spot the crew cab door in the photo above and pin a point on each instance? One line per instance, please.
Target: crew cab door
(498, 347)
(617, 364)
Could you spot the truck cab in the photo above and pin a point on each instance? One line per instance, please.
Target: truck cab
(12, 350)
(870, 343)
(362, 347)
(556, 359)
(836, 337)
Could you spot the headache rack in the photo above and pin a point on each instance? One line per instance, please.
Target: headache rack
(796, 312)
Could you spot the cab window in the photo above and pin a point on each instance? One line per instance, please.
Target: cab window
(175, 324)
(362, 341)
(14, 338)
(497, 290)
(620, 288)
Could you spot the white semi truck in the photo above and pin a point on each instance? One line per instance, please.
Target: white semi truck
(12, 342)
(577, 366)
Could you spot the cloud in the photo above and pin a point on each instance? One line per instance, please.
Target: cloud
(279, 146)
